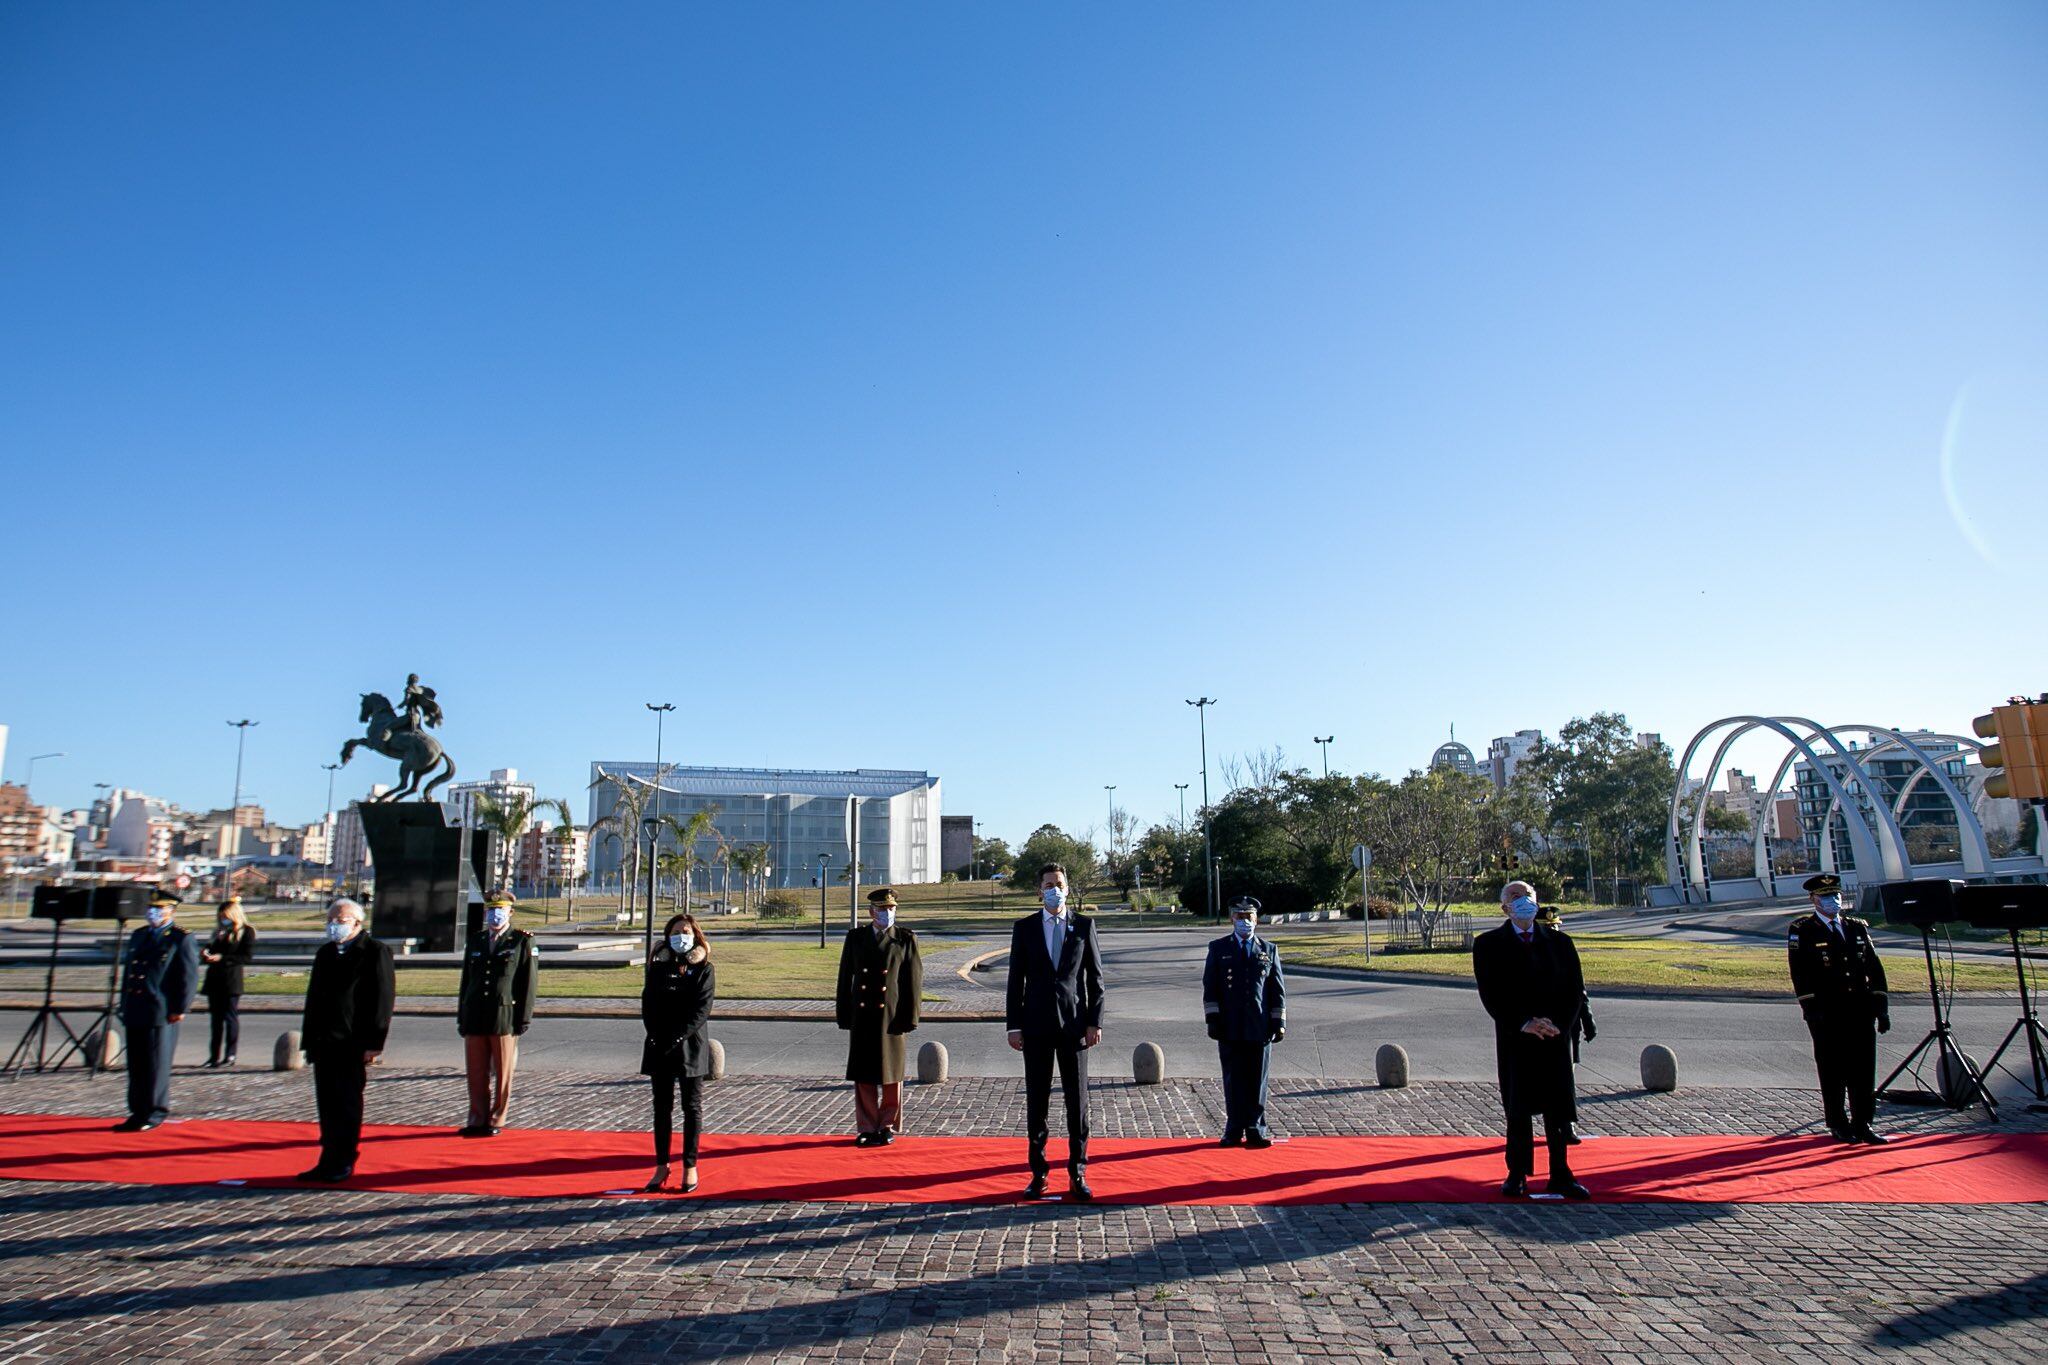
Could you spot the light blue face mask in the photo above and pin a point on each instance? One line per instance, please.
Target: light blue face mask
(1523, 911)
(681, 943)
(1831, 906)
(156, 915)
(337, 931)
(884, 918)
(1054, 898)
(498, 916)
(1242, 928)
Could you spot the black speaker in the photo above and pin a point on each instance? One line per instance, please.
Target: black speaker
(61, 902)
(1915, 905)
(120, 900)
(2019, 906)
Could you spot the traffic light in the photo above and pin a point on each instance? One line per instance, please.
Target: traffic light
(2019, 731)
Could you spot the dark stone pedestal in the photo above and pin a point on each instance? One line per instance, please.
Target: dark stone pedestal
(423, 872)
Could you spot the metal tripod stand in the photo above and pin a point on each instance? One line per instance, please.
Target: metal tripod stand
(1941, 1038)
(32, 1053)
(2028, 1023)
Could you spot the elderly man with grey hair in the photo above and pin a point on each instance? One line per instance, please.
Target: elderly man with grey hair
(1529, 981)
(348, 1015)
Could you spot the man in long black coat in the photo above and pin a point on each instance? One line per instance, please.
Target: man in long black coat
(348, 1016)
(159, 976)
(1053, 1011)
(1529, 981)
(878, 1003)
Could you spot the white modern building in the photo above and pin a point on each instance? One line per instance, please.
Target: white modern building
(800, 814)
(1506, 753)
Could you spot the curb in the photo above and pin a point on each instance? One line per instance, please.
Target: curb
(438, 1010)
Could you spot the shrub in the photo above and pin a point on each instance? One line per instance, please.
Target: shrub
(783, 903)
(1382, 908)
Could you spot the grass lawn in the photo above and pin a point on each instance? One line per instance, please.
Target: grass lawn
(748, 969)
(1620, 960)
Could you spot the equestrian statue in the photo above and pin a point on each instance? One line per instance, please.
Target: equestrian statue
(401, 732)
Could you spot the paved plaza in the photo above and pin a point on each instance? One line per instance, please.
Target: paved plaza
(211, 1273)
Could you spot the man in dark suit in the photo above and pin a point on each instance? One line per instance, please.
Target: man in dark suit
(1842, 992)
(159, 977)
(881, 989)
(1244, 998)
(348, 1015)
(1054, 1014)
(1529, 981)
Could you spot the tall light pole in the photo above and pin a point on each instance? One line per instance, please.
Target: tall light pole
(234, 837)
(824, 885)
(1324, 741)
(974, 854)
(332, 769)
(653, 799)
(29, 783)
(1182, 788)
(1202, 706)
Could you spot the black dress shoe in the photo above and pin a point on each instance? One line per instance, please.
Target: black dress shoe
(492, 1130)
(1078, 1191)
(130, 1125)
(863, 1139)
(334, 1175)
(1567, 1186)
(1515, 1187)
(318, 1173)
(472, 1130)
(228, 1060)
(1864, 1134)
(1840, 1132)
(1257, 1140)
(1036, 1189)
(884, 1138)
(148, 1124)
(1232, 1140)
(1571, 1135)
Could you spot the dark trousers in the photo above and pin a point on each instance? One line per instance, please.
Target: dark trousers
(149, 1071)
(1039, 1057)
(666, 1086)
(224, 1025)
(1845, 1053)
(338, 1095)
(1244, 1087)
(1522, 1145)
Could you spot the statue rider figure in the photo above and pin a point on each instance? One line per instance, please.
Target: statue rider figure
(418, 706)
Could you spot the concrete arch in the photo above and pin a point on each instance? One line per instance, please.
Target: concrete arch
(1975, 849)
(1882, 848)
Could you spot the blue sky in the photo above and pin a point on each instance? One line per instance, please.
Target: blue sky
(995, 378)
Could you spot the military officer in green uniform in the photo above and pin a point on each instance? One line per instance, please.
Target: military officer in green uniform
(1840, 981)
(159, 977)
(494, 1008)
(881, 984)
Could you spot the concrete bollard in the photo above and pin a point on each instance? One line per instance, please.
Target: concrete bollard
(286, 1056)
(1148, 1064)
(1390, 1064)
(717, 1060)
(1660, 1068)
(931, 1064)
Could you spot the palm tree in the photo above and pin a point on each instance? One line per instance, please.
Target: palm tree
(748, 860)
(506, 818)
(687, 830)
(631, 797)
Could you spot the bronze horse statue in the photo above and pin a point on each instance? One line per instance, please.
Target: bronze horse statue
(418, 753)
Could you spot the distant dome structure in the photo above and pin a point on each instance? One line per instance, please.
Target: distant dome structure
(1455, 756)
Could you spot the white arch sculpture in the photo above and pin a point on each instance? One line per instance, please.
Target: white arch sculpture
(1975, 848)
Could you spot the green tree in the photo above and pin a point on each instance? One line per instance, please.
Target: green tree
(1426, 837)
(1051, 844)
(1614, 792)
(993, 856)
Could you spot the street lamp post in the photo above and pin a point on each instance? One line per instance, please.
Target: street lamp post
(1182, 788)
(1324, 742)
(660, 715)
(234, 835)
(652, 828)
(1202, 706)
(824, 885)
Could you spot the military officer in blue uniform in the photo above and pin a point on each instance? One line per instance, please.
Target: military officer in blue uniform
(1840, 982)
(1244, 996)
(159, 977)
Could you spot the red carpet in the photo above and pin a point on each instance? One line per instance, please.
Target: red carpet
(1973, 1168)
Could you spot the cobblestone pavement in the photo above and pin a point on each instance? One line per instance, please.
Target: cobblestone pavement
(97, 1272)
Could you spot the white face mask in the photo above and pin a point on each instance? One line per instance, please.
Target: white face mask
(1241, 927)
(339, 931)
(682, 943)
(884, 918)
(1055, 898)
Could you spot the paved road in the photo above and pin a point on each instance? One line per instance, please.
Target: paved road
(1335, 1026)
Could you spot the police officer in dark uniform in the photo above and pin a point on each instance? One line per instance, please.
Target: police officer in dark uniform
(159, 977)
(1244, 997)
(1840, 981)
(879, 1002)
(494, 1007)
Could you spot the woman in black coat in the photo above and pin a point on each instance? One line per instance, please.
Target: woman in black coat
(226, 953)
(675, 1007)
